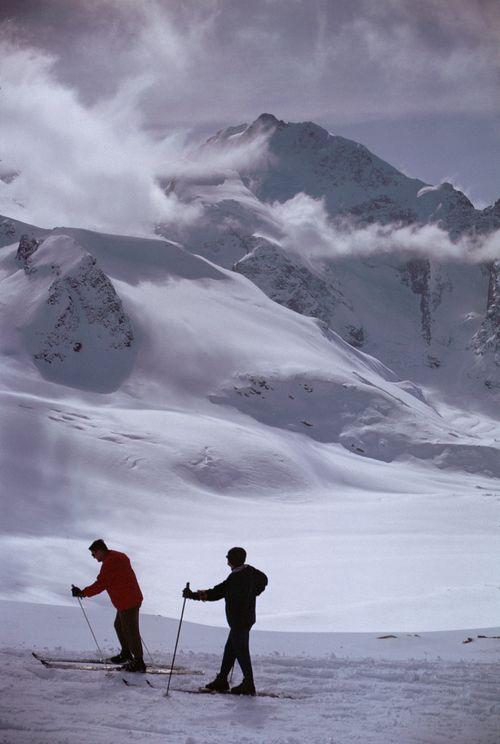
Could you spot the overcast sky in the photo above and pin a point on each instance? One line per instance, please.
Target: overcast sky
(415, 81)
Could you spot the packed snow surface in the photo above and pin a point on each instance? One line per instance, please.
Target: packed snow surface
(403, 688)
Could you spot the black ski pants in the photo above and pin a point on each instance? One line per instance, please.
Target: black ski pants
(127, 630)
(237, 649)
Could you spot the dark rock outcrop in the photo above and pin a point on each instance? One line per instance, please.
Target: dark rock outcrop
(80, 334)
(27, 247)
(487, 338)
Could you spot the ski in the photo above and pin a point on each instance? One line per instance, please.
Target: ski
(100, 662)
(485, 636)
(276, 695)
(103, 667)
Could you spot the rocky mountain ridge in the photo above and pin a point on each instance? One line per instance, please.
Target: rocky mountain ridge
(354, 182)
(442, 315)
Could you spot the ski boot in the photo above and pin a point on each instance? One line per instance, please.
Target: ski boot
(219, 684)
(247, 687)
(135, 665)
(122, 658)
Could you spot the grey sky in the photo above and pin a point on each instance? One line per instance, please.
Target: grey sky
(417, 82)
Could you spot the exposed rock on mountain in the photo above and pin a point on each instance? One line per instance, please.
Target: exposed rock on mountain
(79, 334)
(289, 282)
(487, 339)
(417, 275)
(27, 246)
(7, 230)
(294, 285)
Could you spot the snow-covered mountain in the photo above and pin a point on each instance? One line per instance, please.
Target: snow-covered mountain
(305, 158)
(430, 319)
(227, 387)
(165, 402)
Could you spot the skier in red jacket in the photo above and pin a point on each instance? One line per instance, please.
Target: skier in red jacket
(117, 577)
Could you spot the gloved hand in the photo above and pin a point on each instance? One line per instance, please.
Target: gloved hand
(188, 594)
(75, 591)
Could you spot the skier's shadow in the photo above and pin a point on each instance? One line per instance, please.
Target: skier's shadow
(249, 712)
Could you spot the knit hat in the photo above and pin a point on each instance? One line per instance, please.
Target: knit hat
(236, 556)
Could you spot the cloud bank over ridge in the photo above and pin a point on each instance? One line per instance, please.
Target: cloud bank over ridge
(308, 232)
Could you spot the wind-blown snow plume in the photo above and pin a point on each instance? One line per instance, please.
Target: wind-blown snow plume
(308, 232)
(94, 166)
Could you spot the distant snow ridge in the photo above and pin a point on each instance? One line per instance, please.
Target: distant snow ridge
(80, 335)
(381, 420)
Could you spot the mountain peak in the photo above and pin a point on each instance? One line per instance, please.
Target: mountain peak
(353, 182)
(305, 132)
(267, 119)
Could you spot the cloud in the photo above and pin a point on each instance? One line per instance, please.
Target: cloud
(219, 62)
(91, 166)
(100, 93)
(307, 232)
(226, 59)
(78, 165)
(218, 162)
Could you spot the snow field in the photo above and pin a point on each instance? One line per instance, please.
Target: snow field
(175, 465)
(407, 689)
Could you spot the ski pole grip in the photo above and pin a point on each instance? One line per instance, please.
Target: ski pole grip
(187, 585)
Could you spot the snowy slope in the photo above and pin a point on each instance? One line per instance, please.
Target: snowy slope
(401, 689)
(433, 322)
(229, 419)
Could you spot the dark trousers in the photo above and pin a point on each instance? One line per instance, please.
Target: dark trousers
(237, 649)
(127, 630)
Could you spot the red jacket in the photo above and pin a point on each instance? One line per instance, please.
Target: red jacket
(117, 577)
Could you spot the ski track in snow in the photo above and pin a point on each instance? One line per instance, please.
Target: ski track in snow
(344, 700)
(398, 689)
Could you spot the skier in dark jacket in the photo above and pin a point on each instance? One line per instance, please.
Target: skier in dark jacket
(117, 577)
(239, 590)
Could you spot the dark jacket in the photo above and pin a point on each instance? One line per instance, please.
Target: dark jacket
(117, 577)
(240, 590)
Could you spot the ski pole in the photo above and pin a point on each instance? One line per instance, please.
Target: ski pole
(176, 642)
(93, 634)
(147, 650)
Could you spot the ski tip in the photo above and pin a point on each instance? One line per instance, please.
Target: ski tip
(40, 659)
